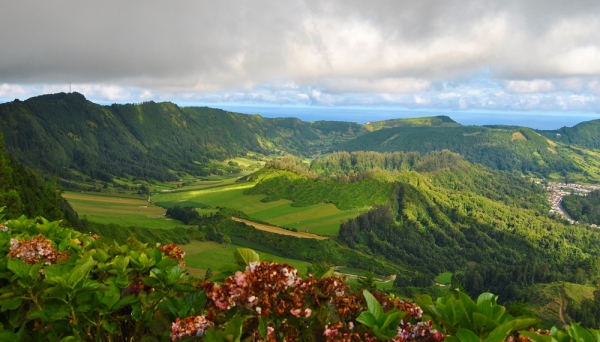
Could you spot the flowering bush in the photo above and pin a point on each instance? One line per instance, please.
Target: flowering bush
(34, 250)
(174, 252)
(57, 284)
(190, 326)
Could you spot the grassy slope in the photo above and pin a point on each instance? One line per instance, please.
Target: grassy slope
(545, 299)
(140, 213)
(319, 218)
(209, 254)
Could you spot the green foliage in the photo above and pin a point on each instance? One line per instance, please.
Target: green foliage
(584, 134)
(585, 209)
(383, 325)
(467, 320)
(492, 147)
(183, 214)
(367, 281)
(23, 191)
(83, 287)
(143, 140)
(304, 192)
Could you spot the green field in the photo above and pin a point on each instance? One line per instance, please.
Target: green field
(207, 254)
(444, 278)
(321, 219)
(123, 210)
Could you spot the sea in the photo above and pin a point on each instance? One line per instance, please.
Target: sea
(535, 120)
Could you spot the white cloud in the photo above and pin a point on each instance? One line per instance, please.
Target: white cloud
(450, 54)
(535, 86)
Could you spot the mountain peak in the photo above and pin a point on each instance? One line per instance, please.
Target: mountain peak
(69, 97)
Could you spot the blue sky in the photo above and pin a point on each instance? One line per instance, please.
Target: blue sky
(489, 57)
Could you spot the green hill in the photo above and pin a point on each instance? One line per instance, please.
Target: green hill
(439, 213)
(59, 132)
(502, 148)
(430, 121)
(22, 191)
(585, 134)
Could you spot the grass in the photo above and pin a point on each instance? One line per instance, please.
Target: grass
(122, 210)
(444, 278)
(321, 219)
(208, 254)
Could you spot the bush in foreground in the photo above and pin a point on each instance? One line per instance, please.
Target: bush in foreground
(57, 284)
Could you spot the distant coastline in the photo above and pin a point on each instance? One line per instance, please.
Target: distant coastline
(535, 120)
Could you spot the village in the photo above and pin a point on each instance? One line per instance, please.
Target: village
(556, 192)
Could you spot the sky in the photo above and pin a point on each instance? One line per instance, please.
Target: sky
(489, 57)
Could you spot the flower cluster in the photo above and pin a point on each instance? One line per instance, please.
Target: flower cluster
(3, 227)
(174, 252)
(190, 326)
(35, 250)
(337, 332)
(417, 332)
(257, 287)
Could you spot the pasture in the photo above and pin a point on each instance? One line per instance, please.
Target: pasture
(122, 209)
(208, 254)
(322, 219)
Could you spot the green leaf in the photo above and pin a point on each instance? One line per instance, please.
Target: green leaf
(196, 302)
(233, 332)
(110, 298)
(244, 256)
(522, 323)
(367, 319)
(81, 271)
(18, 267)
(374, 307)
(41, 314)
(69, 339)
(120, 264)
(485, 297)
(11, 304)
(579, 334)
(484, 323)
(392, 319)
(466, 335)
(110, 327)
(500, 333)
(536, 337)
(262, 327)
(128, 300)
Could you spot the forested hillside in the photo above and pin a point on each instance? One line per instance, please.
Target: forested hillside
(501, 148)
(22, 191)
(585, 209)
(55, 133)
(441, 213)
(585, 134)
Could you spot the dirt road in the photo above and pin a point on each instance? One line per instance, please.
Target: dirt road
(277, 230)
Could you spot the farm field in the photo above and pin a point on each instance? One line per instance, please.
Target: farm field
(322, 219)
(208, 254)
(277, 230)
(122, 210)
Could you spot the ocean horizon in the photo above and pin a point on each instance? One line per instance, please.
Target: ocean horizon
(535, 120)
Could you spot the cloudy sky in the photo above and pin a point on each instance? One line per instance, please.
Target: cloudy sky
(535, 55)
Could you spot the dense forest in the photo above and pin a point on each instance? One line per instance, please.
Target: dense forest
(63, 132)
(585, 209)
(22, 191)
(584, 134)
(501, 148)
